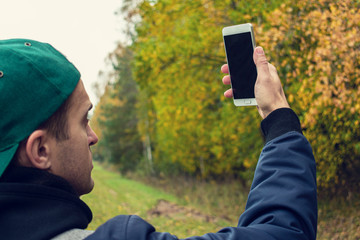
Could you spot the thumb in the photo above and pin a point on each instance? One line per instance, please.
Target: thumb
(261, 62)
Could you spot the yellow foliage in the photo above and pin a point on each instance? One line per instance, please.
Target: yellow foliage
(317, 49)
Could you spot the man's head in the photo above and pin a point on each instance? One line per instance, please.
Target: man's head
(44, 109)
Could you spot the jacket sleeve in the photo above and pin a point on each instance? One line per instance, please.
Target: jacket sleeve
(282, 202)
(283, 198)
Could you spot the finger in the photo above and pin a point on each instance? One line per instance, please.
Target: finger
(228, 93)
(226, 80)
(261, 62)
(225, 68)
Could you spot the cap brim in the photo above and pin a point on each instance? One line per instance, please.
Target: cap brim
(5, 157)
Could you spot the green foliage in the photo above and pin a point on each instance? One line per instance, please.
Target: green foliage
(117, 117)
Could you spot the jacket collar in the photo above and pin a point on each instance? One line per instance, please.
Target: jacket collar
(35, 204)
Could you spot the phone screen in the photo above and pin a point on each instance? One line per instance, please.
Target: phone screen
(243, 74)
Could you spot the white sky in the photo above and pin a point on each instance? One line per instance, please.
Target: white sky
(83, 30)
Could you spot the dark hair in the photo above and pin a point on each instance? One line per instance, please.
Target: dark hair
(57, 124)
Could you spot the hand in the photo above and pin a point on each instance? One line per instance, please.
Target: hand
(269, 93)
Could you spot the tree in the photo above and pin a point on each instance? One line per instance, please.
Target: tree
(178, 53)
(117, 116)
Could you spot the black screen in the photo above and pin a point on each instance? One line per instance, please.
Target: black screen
(239, 52)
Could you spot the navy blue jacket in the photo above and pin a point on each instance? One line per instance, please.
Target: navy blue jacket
(281, 204)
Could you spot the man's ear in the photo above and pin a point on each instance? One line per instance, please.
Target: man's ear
(38, 149)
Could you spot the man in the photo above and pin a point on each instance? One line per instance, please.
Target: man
(46, 163)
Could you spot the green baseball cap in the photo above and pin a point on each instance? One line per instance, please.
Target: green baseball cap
(35, 79)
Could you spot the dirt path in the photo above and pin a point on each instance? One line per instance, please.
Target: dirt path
(171, 210)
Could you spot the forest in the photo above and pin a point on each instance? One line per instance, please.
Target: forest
(163, 112)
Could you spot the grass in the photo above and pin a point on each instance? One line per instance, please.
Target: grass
(114, 195)
(226, 200)
(218, 205)
(339, 219)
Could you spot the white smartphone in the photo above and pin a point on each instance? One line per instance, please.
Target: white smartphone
(239, 47)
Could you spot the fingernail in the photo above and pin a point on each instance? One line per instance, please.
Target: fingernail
(259, 51)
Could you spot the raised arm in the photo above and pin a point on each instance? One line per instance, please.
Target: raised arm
(282, 202)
